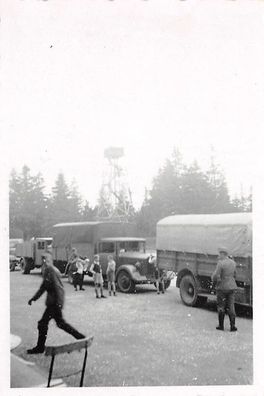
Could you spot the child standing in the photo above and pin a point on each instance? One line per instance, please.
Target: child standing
(96, 269)
(110, 272)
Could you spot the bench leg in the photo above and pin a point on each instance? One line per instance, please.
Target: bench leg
(50, 370)
(83, 368)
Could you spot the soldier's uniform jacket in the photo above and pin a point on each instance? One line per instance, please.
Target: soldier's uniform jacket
(225, 274)
(52, 284)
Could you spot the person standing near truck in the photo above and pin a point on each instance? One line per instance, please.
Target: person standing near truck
(110, 273)
(96, 270)
(52, 284)
(225, 278)
(159, 276)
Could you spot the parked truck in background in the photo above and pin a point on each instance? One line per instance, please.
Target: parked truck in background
(14, 260)
(105, 238)
(33, 253)
(188, 245)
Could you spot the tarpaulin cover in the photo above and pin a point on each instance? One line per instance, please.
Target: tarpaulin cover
(66, 234)
(206, 233)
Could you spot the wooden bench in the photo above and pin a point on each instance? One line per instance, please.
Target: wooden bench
(52, 351)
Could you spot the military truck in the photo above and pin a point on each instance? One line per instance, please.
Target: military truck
(105, 238)
(14, 261)
(188, 245)
(33, 253)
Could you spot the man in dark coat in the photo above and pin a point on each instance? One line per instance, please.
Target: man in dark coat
(54, 303)
(225, 278)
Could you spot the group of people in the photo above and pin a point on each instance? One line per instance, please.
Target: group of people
(78, 266)
(224, 277)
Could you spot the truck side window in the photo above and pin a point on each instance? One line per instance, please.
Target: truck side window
(106, 247)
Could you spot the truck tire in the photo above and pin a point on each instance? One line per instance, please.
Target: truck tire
(25, 266)
(12, 266)
(188, 290)
(125, 283)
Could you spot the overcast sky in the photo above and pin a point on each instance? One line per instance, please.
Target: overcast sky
(80, 76)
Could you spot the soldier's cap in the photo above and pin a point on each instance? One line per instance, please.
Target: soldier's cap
(223, 249)
(96, 256)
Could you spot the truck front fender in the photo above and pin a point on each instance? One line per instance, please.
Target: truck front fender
(133, 272)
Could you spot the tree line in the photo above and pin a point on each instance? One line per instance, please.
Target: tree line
(176, 189)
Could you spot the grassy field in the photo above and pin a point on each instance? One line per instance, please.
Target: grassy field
(140, 339)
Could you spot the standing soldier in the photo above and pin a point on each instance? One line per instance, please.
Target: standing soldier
(110, 272)
(96, 269)
(224, 277)
(54, 304)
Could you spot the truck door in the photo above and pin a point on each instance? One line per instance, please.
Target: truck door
(104, 250)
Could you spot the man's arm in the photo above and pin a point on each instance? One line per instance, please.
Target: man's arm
(216, 276)
(39, 293)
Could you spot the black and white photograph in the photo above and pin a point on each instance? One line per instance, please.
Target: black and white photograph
(131, 137)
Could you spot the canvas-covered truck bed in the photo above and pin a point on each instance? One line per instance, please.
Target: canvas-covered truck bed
(83, 236)
(188, 245)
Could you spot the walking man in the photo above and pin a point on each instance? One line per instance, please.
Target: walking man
(54, 304)
(224, 277)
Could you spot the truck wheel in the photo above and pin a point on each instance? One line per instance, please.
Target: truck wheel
(25, 266)
(188, 290)
(125, 283)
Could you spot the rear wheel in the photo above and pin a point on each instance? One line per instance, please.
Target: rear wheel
(25, 266)
(188, 290)
(125, 283)
(12, 266)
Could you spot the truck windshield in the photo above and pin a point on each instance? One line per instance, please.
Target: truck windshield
(132, 246)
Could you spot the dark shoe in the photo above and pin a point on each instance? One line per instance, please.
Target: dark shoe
(233, 328)
(115, 294)
(102, 296)
(97, 297)
(82, 288)
(220, 328)
(80, 336)
(35, 350)
(221, 317)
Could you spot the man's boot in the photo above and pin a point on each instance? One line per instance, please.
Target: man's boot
(232, 324)
(221, 317)
(40, 347)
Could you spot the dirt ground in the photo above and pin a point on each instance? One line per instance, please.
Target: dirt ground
(140, 339)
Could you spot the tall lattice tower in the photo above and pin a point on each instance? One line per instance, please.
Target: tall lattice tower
(115, 201)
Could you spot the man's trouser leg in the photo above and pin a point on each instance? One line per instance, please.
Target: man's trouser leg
(43, 324)
(231, 310)
(81, 281)
(75, 280)
(96, 288)
(62, 324)
(114, 287)
(157, 286)
(221, 304)
(162, 286)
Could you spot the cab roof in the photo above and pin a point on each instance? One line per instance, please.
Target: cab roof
(122, 239)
